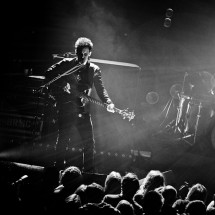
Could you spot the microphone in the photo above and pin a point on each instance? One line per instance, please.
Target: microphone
(167, 22)
(24, 177)
(169, 13)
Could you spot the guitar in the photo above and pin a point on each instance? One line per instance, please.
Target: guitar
(124, 113)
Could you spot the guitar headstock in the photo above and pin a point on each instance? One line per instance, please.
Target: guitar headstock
(127, 114)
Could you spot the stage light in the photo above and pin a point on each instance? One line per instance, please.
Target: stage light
(168, 18)
(169, 13)
(167, 22)
(152, 97)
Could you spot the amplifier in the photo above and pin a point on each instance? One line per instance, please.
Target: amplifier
(20, 126)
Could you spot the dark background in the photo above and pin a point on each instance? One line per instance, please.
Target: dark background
(129, 31)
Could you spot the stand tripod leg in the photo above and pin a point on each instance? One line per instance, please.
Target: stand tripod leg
(197, 121)
(178, 117)
(174, 124)
(168, 105)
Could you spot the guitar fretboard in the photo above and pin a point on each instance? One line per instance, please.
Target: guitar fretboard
(95, 101)
(125, 114)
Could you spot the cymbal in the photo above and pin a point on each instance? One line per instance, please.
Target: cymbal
(175, 90)
(207, 79)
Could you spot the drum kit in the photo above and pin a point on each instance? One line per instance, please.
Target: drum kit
(195, 106)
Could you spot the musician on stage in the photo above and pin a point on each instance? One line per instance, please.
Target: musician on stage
(67, 82)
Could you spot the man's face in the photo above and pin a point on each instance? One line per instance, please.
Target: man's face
(84, 55)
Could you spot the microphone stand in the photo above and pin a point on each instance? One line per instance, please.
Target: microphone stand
(68, 72)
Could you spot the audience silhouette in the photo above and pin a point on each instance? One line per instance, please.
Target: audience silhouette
(129, 187)
(153, 180)
(66, 192)
(113, 183)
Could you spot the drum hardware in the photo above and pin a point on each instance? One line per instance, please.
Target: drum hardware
(197, 120)
(175, 94)
(182, 98)
(185, 138)
(168, 105)
(181, 122)
(189, 135)
(184, 122)
(187, 122)
(184, 111)
(180, 125)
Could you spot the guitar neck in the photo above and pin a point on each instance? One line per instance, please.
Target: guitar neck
(95, 101)
(125, 114)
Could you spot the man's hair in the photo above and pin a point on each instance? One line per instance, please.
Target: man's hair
(169, 193)
(70, 175)
(153, 180)
(195, 207)
(130, 184)
(95, 193)
(179, 205)
(152, 202)
(197, 192)
(83, 42)
(113, 183)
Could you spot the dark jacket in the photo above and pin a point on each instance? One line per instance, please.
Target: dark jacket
(81, 81)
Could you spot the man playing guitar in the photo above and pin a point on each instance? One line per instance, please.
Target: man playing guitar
(68, 81)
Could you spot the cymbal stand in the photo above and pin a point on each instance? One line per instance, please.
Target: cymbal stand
(180, 106)
(185, 128)
(179, 114)
(168, 105)
(197, 121)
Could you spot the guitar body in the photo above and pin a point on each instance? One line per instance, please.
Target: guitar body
(67, 91)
